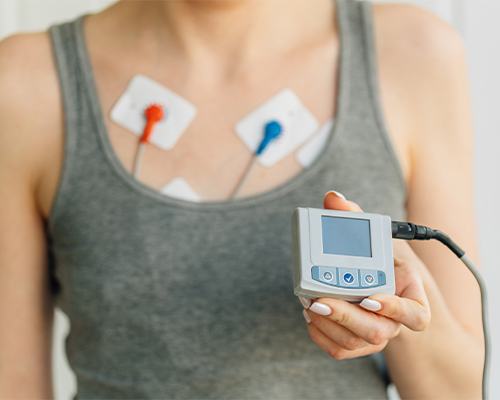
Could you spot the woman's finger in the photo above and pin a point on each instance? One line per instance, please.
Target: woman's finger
(340, 335)
(335, 350)
(371, 327)
(410, 313)
(410, 306)
(336, 201)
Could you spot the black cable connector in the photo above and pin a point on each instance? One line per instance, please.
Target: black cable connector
(411, 231)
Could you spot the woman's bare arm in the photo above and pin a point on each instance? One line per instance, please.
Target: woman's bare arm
(26, 310)
(424, 91)
(430, 87)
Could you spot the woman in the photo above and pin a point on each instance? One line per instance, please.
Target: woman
(173, 299)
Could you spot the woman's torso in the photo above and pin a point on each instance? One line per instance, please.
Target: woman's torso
(173, 299)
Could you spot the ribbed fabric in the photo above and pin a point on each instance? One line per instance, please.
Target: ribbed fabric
(177, 300)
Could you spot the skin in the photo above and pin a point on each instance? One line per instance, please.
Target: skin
(211, 53)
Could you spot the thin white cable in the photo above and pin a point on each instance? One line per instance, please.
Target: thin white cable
(244, 177)
(139, 155)
(484, 307)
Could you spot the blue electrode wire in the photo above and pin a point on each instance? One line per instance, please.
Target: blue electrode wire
(272, 131)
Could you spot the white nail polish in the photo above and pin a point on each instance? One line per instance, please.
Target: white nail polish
(338, 194)
(306, 316)
(305, 302)
(320, 308)
(371, 305)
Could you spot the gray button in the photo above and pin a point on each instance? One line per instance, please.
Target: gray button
(369, 277)
(328, 276)
(348, 277)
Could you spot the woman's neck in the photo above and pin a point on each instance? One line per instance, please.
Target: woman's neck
(232, 32)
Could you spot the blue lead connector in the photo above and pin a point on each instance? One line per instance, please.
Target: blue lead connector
(272, 131)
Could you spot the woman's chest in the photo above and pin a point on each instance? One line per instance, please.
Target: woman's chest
(209, 155)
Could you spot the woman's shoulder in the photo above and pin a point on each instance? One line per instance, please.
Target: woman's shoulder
(30, 110)
(25, 60)
(421, 64)
(28, 80)
(415, 35)
(421, 56)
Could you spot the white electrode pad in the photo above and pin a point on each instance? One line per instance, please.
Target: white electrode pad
(342, 254)
(142, 92)
(297, 121)
(180, 189)
(311, 150)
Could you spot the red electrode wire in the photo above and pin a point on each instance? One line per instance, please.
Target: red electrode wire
(153, 114)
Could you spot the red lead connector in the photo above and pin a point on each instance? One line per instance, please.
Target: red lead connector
(154, 113)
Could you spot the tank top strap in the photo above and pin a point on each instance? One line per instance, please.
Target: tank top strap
(70, 58)
(357, 52)
(360, 84)
(82, 151)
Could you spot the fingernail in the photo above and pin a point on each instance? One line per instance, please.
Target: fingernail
(306, 316)
(338, 194)
(371, 305)
(305, 302)
(320, 308)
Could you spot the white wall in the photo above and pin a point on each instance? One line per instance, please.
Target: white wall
(482, 31)
(477, 20)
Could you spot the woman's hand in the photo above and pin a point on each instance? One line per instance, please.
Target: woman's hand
(346, 330)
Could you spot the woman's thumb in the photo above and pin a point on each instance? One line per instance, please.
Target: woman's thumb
(336, 201)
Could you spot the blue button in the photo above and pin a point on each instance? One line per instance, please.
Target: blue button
(348, 277)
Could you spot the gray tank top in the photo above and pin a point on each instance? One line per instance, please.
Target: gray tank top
(170, 299)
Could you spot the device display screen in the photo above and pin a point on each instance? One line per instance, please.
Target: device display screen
(346, 236)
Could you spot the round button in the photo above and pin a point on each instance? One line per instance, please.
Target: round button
(369, 278)
(348, 277)
(328, 276)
